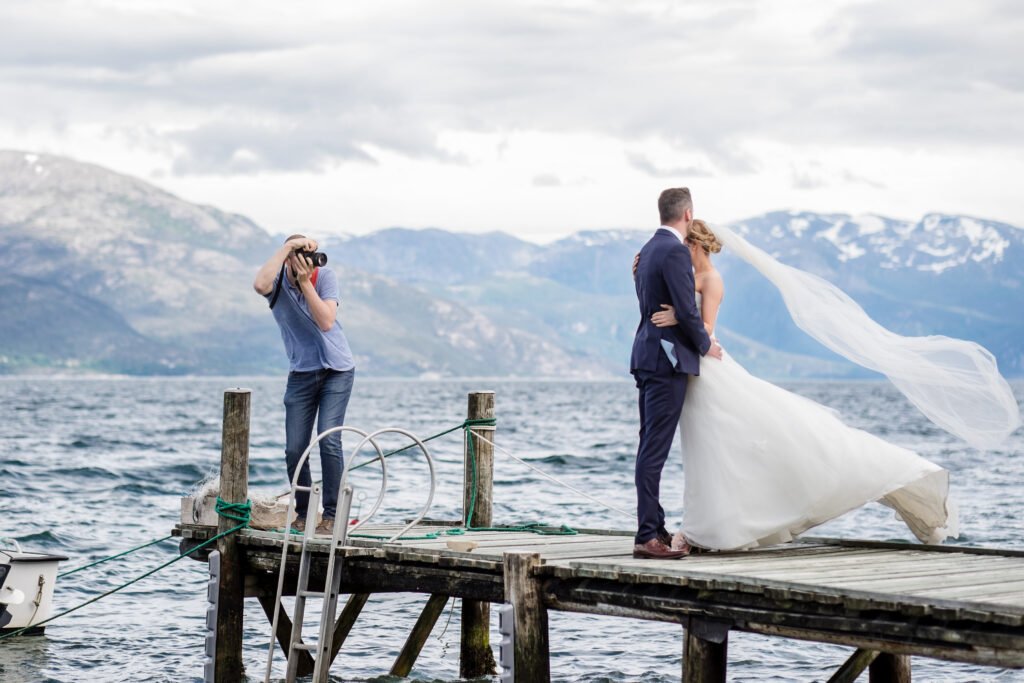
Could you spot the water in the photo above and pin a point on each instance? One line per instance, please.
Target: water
(94, 466)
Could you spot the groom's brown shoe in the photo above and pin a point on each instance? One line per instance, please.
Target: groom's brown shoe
(656, 550)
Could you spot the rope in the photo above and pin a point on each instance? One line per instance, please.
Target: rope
(234, 511)
(534, 527)
(412, 445)
(539, 528)
(114, 557)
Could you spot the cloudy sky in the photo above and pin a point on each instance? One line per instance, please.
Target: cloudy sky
(537, 118)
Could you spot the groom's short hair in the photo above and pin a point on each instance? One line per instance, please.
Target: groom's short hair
(673, 203)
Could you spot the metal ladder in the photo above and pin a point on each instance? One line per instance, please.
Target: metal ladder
(339, 539)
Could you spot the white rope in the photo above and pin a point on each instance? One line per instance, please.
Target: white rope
(630, 515)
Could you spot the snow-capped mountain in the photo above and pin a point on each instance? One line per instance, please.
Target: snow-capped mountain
(103, 271)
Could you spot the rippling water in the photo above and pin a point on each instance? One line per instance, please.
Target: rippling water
(93, 466)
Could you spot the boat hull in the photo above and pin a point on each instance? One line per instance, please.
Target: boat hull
(26, 592)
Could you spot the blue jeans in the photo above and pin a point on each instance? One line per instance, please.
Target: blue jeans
(327, 392)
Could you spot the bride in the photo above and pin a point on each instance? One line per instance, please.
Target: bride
(763, 464)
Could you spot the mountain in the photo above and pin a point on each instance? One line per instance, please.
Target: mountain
(126, 277)
(950, 275)
(104, 272)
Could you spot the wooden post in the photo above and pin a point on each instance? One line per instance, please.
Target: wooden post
(234, 488)
(705, 650)
(419, 634)
(530, 616)
(475, 656)
(889, 668)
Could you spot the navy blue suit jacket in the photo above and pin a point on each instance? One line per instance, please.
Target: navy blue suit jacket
(665, 276)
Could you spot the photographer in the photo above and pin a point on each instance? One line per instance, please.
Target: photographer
(304, 301)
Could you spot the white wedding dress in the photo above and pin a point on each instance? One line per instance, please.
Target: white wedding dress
(762, 464)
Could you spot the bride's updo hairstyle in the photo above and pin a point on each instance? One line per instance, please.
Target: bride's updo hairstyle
(700, 235)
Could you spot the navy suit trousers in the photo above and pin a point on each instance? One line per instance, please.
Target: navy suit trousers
(662, 393)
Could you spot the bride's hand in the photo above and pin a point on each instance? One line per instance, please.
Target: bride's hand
(636, 264)
(666, 318)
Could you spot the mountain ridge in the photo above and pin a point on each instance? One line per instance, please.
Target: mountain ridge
(430, 302)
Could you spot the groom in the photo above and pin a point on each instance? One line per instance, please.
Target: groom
(662, 359)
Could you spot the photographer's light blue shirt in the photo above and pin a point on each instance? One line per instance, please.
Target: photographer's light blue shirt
(307, 346)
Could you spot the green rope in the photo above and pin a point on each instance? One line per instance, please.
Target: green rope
(412, 445)
(235, 511)
(239, 512)
(533, 527)
(114, 557)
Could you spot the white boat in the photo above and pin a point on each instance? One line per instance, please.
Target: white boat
(27, 580)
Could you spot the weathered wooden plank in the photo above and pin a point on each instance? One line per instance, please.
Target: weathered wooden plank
(967, 592)
(892, 545)
(893, 569)
(958, 585)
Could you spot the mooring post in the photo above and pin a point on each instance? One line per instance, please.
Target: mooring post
(530, 618)
(234, 488)
(705, 651)
(890, 668)
(475, 656)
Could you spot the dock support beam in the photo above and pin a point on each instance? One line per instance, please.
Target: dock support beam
(475, 656)
(418, 636)
(234, 488)
(530, 616)
(889, 668)
(705, 651)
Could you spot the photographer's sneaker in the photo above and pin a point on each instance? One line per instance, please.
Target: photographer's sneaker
(325, 527)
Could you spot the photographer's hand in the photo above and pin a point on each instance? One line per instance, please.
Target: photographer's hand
(301, 268)
(301, 244)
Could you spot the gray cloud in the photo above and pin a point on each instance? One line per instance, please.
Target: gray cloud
(265, 88)
(645, 165)
(546, 180)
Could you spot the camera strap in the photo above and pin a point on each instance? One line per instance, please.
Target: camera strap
(277, 288)
(280, 282)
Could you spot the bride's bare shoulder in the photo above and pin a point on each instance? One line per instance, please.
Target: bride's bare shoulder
(710, 277)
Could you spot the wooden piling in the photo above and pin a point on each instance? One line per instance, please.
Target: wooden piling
(530, 618)
(475, 656)
(890, 668)
(705, 650)
(234, 488)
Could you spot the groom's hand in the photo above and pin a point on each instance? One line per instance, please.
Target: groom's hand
(716, 350)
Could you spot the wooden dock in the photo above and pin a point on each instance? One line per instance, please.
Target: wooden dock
(890, 601)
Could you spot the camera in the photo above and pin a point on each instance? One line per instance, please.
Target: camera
(318, 258)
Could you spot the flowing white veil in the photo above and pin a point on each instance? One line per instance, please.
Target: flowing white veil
(955, 383)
